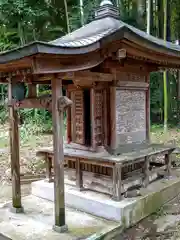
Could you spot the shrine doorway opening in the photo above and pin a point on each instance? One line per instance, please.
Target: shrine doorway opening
(87, 117)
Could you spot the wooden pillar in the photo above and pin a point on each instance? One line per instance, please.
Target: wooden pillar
(32, 91)
(69, 138)
(58, 125)
(117, 182)
(148, 123)
(93, 133)
(146, 172)
(168, 162)
(113, 118)
(14, 151)
(105, 113)
(79, 175)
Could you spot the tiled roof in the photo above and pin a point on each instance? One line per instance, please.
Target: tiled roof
(99, 29)
(106, 28)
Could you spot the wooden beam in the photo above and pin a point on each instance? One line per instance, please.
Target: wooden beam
(69, 119)
(81, 76)
(133, 85)
(42, 102)
(14, 150)
(130, 66)
(148, 123)
(71, 63)
(32, 93)
(136, 51)
(93, 133)
(113, 117)
(58, 126)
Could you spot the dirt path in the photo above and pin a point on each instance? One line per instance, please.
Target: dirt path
(6, 191)
(164, 225)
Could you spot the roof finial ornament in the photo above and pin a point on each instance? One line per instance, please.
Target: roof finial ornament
(105, 2)
(107, 9)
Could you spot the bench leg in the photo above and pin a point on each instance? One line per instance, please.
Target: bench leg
(117, 183)
(168, 164)
(79, 175)
(49, 169)
(146, 172)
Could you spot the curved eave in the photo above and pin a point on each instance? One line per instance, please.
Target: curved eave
(43, 48)
(124, 32)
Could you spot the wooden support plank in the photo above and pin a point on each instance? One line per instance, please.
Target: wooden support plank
(44, 102)
(93, 134)
(148, 112)
(113, 117)
(49, 167)
(105, 114)
(14, 150)
(81, 76)
(117, 182)
(69, 117)
(58, 120)
(168, 164)
(146, 172)
(32, 93)
(79, 175)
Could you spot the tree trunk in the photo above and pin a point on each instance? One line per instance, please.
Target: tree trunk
(178, 94)
(166, 38)
(150, 17)
(67, 17)
(81, 11)
(21, 33)
(141, 13)
(160, 19)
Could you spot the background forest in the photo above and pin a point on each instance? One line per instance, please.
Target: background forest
(23, 21)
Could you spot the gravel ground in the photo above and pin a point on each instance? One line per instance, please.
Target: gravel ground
(163, 225)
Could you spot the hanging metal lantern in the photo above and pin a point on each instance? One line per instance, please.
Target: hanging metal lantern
(19, 91)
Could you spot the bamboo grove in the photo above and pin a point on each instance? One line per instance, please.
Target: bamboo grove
(23, 21)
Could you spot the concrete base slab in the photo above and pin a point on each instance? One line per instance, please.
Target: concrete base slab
(38, 218)
(17, 210)
(126, 212)
(62, 229)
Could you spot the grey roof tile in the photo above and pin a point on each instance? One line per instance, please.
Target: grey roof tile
(98, 29)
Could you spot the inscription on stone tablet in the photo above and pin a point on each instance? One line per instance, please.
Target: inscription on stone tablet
(130, 116)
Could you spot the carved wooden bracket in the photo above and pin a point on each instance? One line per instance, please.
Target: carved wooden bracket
(43, 102)
(63, 103)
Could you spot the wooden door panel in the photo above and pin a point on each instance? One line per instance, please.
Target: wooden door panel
(78, 117)
(97, 96)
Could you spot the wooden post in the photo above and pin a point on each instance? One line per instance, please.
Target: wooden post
(49, 161)
(14, 150)
(79, 175)
(168, 164)
(32, 91)
(93, 134)
(117, 183)
(113, 118)
(146, 172)
(69, 138)
(148, 112)
(105, 114)
(58, 120)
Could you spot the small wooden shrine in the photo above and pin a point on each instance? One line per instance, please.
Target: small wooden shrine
(104, 67)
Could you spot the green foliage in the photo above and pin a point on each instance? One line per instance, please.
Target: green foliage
(175, 19)
(23, 21)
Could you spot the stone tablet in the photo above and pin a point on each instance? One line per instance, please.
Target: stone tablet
(130, 116)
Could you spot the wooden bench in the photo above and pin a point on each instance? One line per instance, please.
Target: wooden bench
(119, 169)
(175, 153)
